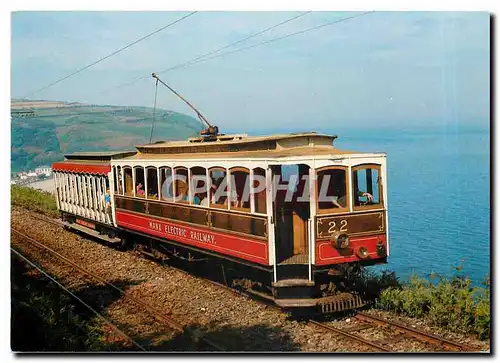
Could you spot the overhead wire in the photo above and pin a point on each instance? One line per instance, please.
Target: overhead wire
(213, 51)
(111, 54)
(278, 38)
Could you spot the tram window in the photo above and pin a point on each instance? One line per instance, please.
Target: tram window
(152, 178)
(259, 187)
(240, 189)
(332, 190)
(366, 185)
(129, 184)
(181, 185)
(218, 189)
(199, 186)
(166, 183)
(139, 182)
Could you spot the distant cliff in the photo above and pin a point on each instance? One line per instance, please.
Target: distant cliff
(43, 131)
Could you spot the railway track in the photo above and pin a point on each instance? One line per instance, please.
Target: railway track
(365, 320)
(395, 332)
(117, 330)
(153, 311)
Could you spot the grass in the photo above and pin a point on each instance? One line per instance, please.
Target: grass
(34, 200)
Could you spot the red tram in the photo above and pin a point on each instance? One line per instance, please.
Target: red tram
(290, 209)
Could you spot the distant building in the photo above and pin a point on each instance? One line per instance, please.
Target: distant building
(44, 169)
(31, 173)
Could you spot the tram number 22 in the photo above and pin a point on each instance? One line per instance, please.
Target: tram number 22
(332, 226)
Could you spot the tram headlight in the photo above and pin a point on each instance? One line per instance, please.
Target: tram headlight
(362, 252)
(340, 240)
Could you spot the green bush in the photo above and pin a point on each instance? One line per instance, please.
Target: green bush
(35, 200)
(453, 303)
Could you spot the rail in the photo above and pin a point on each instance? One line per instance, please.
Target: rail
(152, 310)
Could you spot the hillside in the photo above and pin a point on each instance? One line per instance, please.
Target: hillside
(56, 128)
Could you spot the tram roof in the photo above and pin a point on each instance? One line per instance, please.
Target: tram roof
(98, 155)
(238, 145)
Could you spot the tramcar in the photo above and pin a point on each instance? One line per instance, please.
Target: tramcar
(288, 211)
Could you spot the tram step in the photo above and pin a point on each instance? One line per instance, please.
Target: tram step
(293, 282)
(293, 271)
(294, 291)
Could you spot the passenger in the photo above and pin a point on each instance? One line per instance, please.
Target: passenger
(139, 191)
(107, 199)
(367, 195)
(204, 201)
(107, 202)
(196, 200)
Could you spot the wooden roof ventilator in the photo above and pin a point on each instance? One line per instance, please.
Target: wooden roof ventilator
(208, 134)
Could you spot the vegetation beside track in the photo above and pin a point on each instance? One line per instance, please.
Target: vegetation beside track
(34, 200)
(452, 303)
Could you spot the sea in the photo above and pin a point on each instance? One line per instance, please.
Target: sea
(438, 197)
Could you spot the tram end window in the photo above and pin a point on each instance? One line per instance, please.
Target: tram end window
(332, 189)
(366, 186)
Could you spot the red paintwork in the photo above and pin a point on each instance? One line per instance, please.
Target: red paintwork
(102, 169)
(326, 254)
(225, 243)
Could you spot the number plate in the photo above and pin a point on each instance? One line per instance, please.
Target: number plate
(352, 224)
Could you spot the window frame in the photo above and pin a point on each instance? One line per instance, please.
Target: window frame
(215, 205)
(253, 206)
(346, 209)
(134, 179)
(191, 186)
(124, 181)
(175, 186)
(146, 194)
(230, 173)
(380, 204)
(162, 170)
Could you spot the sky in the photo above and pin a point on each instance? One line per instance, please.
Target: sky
(383, 69)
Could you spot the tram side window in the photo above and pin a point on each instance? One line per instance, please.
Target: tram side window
(115, 179)
(199, 186)
(181, 185)
(366, 185)
(166, 183)
(139, 182)
(152, 175)
(129, 184)
(259, 187)
(240, 189)
(331, 190)
(218, 188)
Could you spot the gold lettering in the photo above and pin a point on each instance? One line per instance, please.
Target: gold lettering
(332, 228)
(343, 225)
